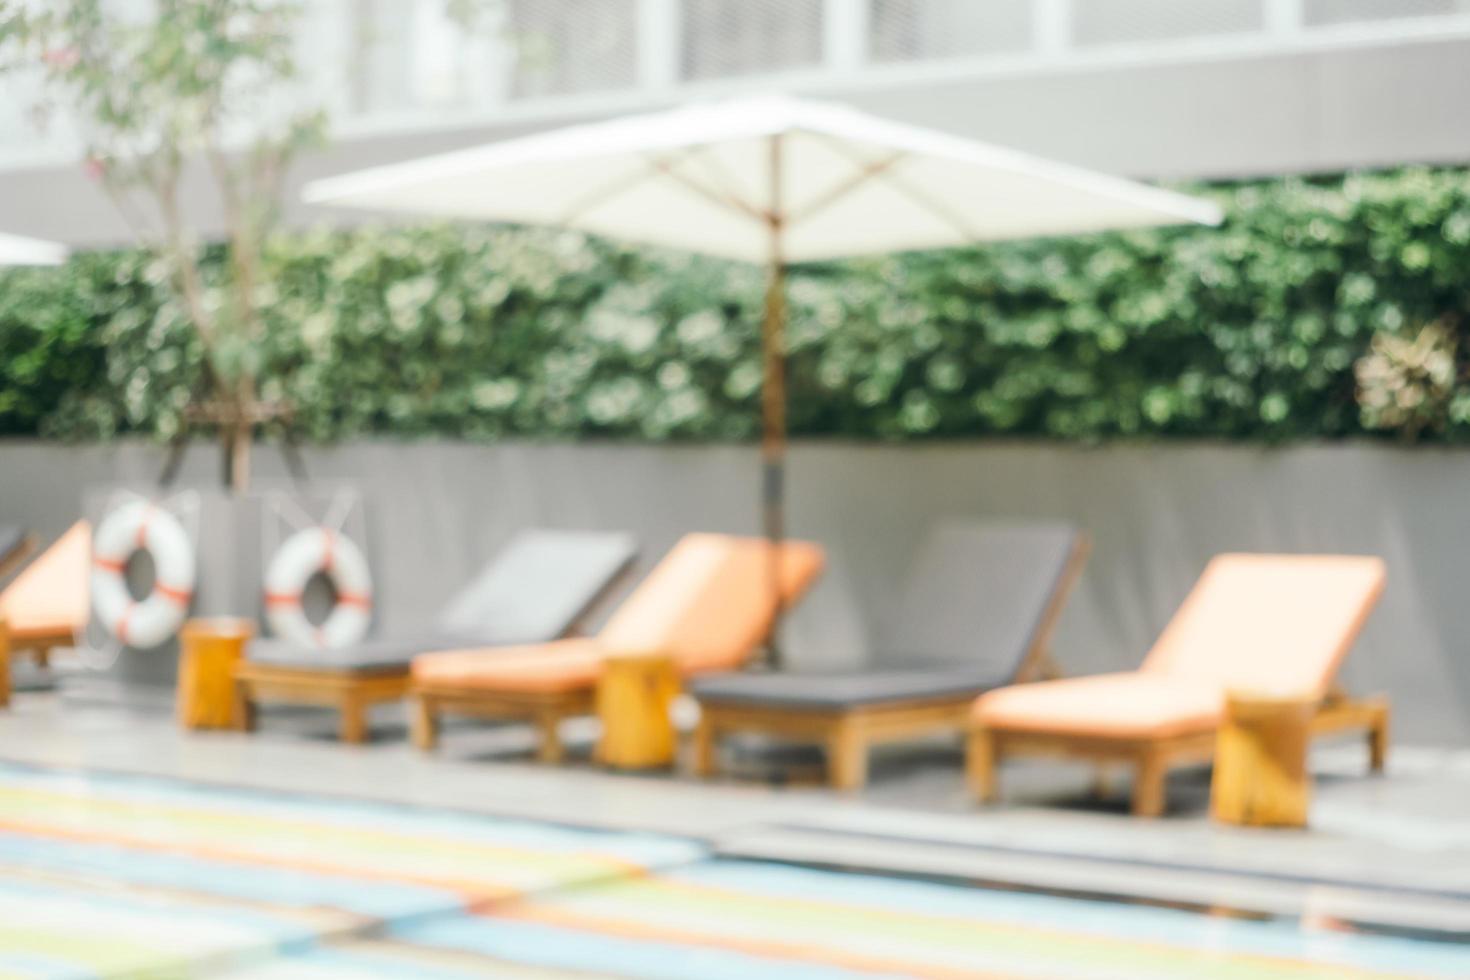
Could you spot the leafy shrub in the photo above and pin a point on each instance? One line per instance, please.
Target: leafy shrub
(1249, 331)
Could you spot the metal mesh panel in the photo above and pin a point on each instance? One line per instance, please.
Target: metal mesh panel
(568, 46)
(1320, 12)
(1099, 22)
(913, 30)
(725, 38)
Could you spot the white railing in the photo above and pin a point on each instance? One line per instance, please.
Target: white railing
(383, 66)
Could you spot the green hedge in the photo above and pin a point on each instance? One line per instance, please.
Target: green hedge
(1249, 331)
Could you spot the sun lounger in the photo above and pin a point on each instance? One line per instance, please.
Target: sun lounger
(708, 605)
(46, 605)
(538, 588)
(1267, 624)
(978, 612)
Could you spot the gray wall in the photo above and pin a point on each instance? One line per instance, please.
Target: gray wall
(1156, 513)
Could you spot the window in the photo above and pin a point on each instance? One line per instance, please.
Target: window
(1319, 12)
(1102, 22)
(568, 46)
(915, 30)
(729, 38)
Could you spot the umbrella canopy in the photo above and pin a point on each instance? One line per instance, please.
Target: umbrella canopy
(773, 180)
(17, 250)
(711, 178)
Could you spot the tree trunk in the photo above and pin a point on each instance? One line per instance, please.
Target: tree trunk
(236, 439)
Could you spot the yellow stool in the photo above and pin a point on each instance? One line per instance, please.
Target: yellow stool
(633, 700)
(209, 651)
(1261, 775)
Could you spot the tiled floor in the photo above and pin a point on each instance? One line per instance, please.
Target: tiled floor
(469, 894)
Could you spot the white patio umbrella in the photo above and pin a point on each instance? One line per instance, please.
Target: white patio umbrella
(772, 180)
(18, 250)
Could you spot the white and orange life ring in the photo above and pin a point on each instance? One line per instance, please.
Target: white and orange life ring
(142, 526)
(309, 552)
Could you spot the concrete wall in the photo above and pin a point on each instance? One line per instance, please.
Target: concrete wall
(1156, 513)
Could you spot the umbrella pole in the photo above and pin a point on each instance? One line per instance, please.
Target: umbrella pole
(773, 407)
(773, 442)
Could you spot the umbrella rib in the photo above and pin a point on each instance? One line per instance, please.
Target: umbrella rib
(716, 170)
(605, 193)
(837, 192)
(921, 198)
(936, 208)
(665, 166)
(658, 166)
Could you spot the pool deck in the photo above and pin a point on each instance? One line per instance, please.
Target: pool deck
(1391, 852)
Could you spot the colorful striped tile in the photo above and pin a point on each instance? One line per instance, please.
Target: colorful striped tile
(112, 876)
(722, 919)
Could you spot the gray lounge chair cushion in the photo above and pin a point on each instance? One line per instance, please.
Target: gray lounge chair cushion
(966, 621)
(847, 690)
(535, 590)
(387, 654)
(538, 586)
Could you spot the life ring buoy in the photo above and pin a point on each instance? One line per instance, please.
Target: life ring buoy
(312, 551)
(142, 526)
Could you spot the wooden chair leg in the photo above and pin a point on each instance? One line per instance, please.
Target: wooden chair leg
(1148, 785)
(549, 747)
(244, 714)
(423, 723)
(43, 657)
(1378, 740)
(1100, 783)
(981, 764)
(352, 720)
(706, 761)
(847, 757)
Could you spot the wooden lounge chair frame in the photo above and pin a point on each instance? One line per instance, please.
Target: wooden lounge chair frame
(38, 646)
(848, 733)
(545, 709)
(351, 693)
(1152, 758)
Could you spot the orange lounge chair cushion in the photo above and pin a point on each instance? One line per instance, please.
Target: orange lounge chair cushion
(708, 604)
(1274, 624)
(51, 596)
(1129, 705)
(538, 668)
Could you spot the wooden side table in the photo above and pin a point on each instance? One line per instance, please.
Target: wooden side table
(209, 651)
(633, 700)
(1260, 775)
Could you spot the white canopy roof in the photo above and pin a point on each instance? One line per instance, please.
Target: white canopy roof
(707, 178)
(18, 250)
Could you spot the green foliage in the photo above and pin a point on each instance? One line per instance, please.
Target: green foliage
(1249, 331)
